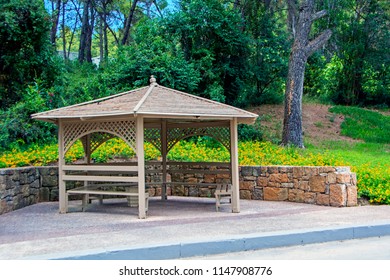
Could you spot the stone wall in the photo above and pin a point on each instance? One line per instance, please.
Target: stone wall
(330, 186)
(20, 187)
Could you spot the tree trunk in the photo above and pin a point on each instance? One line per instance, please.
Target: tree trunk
(55, 19)
(63, 32)
(129, 19)
(301, 50)
(86, 34)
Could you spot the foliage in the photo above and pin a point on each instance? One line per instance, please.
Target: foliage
(211, 36)
(250, 132)
(358, 60)
(268, 58)
(25, 50)
(16, 125)
(152, 52)
(366, 125)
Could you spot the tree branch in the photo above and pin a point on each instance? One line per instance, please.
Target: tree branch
(318, 42)
(318, 15)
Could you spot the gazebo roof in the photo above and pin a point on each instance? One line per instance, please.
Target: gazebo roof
(150, 101)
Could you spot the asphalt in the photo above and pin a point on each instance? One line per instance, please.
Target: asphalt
(180, 227)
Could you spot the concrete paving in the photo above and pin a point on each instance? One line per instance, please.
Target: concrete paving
(180, 227)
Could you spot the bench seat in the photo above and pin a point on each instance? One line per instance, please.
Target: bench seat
(131, 192)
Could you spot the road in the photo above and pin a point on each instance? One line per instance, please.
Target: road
(375, 248)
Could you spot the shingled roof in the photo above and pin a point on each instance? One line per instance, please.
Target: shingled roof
(150, 101)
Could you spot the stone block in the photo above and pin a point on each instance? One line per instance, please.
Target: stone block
(310, 197)
(273, 169)
(223, 176)
(275, 194)
(249, 178)
(285, 169)
(204, 192)
(193, 191)
(331, 178)
(256, 171)
(296, 195)
(287, 185)
(297, 172)
(209, 178)
(49, 181)
(279, 178)
(353, 179)
(246, 171)
(245, 194)
(2, 188)
(311, 171)
(257, 194)
(193, 180)
(317, 183)
(304, 185)
(273, 185)
(262, 181)
(326, 169)
(338, 195)
(351, 195)
(263, 170)
(343, 178)
(322, 199)
(247, 185)
(26, 190)
(343, 169)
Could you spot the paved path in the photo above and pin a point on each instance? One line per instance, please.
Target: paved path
(178, 228)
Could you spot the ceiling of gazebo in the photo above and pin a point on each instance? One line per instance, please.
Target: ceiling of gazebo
(151, 101)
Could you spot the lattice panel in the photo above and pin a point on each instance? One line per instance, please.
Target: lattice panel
(96, 139)
(222, 134)
(153, 135)
(123, 129)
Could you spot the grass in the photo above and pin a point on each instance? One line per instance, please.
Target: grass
(367, 125)
(370, 159)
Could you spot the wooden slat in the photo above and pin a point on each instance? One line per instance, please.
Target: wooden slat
(102, 192)
(192, 184)
(99, 178)
(222, 164)
(118, 168)
(200, 171)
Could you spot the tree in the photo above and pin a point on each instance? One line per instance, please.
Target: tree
(55, 19)
(212, 38)
(363, 55)
(302, 20)
(26, 53)
(128, 22)
(85, 49)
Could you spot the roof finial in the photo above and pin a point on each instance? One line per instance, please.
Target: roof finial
(152, 80)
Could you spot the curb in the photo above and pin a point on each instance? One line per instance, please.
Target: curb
(236, 244)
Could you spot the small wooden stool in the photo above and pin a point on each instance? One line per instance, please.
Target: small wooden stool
(223, 191)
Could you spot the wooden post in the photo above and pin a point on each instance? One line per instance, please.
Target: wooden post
(61, 162)
(164, 147)
(234, 166)
(141, 168)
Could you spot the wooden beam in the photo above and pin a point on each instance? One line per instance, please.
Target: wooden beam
(141, 167)
(99, 178)
(61, 162)
(164, 149)
(119, 168)
(234, 164)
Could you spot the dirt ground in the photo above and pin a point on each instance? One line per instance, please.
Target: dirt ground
(318, 123)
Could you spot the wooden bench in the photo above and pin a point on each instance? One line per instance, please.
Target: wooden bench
(100, 190)
(223, 191)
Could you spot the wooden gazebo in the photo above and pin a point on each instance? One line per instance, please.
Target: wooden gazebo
(156, 114)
